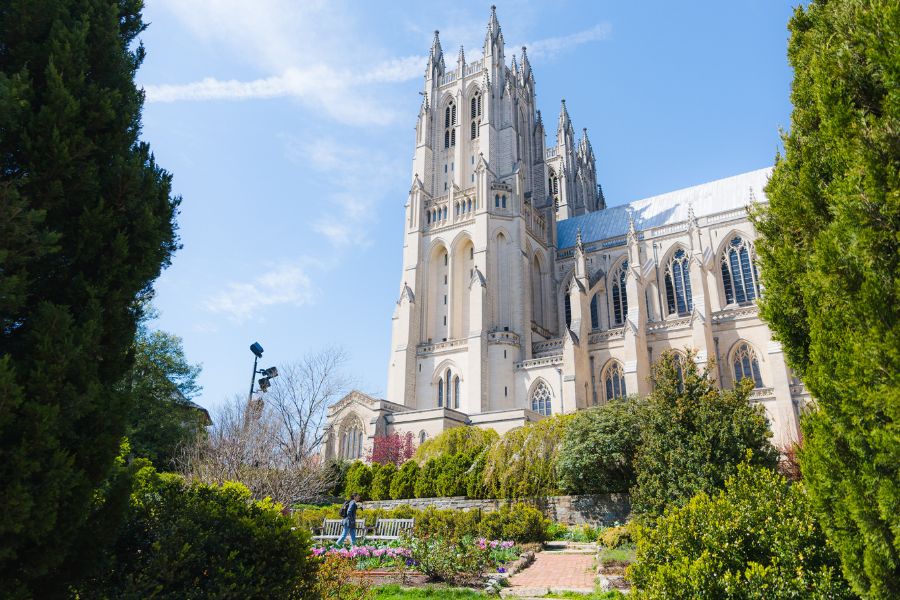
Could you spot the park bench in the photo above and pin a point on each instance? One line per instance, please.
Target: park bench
(332, 528)
(391, 529)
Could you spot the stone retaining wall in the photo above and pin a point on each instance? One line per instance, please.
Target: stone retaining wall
(571, 510)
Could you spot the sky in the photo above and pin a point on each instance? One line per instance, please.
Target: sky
(288, 127)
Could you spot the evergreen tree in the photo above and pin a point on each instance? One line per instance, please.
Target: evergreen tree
(87, 222)
(830, 256)
(162, 383)
(694, 436)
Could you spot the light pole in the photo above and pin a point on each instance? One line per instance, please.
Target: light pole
(257, 351)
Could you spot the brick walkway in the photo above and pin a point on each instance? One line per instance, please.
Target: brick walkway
(557, 571)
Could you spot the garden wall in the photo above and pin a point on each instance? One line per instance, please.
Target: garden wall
(569, 510)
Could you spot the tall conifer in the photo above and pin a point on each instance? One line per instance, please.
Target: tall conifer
(86, 224)
(830, 252)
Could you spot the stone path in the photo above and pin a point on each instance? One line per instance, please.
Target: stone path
(555, 571)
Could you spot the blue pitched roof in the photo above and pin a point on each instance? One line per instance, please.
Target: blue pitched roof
(666, 209)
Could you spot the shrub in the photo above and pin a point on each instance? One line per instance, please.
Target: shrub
(522, 464)
(457, 440)
(452, 478)
(185, 540)
(403, 484)
(613, 537)
(425, 484)
(382, 475)
(597, 454)
(359, 480)
(755, 539)
(338, 469)
(335, 580)
(518, 522)
(694, 435)
(457, 561)
(475, 487)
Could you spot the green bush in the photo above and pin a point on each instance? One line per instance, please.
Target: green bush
(518, 522)
(597, 454)
(613, 537)
(403, 485)
(757, 538)
(457, 440)
(425, 484)
(382, 475)
(338, 469)
(452, 478)
(522, 464)
(359, 480)
(694, 435)
(185, 540)
(475, 487)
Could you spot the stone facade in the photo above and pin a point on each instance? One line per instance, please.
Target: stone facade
(523, 295)
(594, 510)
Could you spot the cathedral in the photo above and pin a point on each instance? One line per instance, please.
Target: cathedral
(522, 295)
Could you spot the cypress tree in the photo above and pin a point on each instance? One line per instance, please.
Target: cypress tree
(86, 224)
(830, 254)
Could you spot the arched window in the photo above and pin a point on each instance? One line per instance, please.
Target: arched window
(618, 295)
(351, 440)
(553, 184)
(452, 137)
(440, 392)
(474, 130)
(595, 314)
(568, 310)
(745, 365)
(422, 437)
(476, 105)
(678, 284)
(540, 399)
(449, 125)
(739, 276)
(449, 379)
(428, 218)
(447, 117)
(496, 200)
(503, 201)
(447, 139)
(614, 382)
(456, 392)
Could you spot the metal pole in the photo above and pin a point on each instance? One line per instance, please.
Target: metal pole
(252, 379)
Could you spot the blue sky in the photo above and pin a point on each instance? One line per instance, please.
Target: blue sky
(288, 127)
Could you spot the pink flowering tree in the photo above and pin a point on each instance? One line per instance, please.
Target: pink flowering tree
(392, 448)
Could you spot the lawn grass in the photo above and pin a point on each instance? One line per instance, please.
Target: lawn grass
(624, 553)
(395, 592)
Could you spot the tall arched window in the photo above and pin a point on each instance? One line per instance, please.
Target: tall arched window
(739, 276)
(449, 396)
(618, 295)
(568, 310)
(540, 399)
(595, 314)
(678, 284)
(449, 125)
(422, 437)
(440, 392)
(474, 130)
(614, 381)
(456, 392)
(351, 440)
(745, 365)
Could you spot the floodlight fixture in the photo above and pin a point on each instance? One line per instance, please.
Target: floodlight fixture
(256, 349)
(264, 384)
(270, 372)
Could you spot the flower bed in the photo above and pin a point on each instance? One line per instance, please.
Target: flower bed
(438, 558)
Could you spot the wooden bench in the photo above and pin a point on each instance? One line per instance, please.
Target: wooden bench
(332, 528)
(391, 529)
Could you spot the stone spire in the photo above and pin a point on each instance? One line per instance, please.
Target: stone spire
(564, 121)
(585, 145)
(515, 67)
(436, 57)
(526, 64)
(461, 59)
(493, 27)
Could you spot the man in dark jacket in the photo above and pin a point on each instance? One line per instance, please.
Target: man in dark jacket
(350, 522)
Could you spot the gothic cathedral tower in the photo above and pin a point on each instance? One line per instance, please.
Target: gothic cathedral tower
(478, 285)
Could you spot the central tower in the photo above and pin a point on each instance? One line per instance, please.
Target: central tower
(478, 284)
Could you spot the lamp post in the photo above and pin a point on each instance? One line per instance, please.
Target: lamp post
(267, 374)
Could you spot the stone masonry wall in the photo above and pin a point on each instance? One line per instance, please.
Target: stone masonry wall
(569, 510)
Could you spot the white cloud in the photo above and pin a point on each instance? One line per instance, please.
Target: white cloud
(287, 283)
(550, 47)
(276, 36)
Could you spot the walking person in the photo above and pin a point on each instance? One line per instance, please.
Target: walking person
(348, 512)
